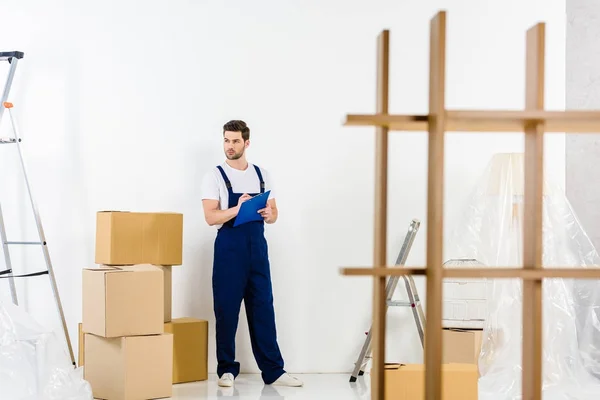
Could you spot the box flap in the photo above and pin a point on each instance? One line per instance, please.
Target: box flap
(460, 330)
(187, 320)
(103, 269)
(142, 268)
(125, 268)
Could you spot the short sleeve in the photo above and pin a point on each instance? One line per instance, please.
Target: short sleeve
(269, 183)
(210, 187)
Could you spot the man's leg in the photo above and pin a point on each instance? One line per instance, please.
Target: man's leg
(258, 301)
(229, 281)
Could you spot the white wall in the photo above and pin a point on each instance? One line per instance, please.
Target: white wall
(122, 105)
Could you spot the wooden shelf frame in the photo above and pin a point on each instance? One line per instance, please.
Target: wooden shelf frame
(486, 121)
(534, 122)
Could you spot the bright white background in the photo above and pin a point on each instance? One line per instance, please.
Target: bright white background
(121, 105)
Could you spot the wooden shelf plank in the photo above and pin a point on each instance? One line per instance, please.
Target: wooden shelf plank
(476, 121)
(515, 121)
(393, 122)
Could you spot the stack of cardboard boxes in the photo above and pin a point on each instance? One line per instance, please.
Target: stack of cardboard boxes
(461, 349)
(460, 367)
(407, 381)
(130, 347)
(460, 373)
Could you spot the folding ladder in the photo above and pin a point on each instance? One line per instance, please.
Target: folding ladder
(13, 58)
(413, 297)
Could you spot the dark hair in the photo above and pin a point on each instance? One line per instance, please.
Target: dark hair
(237, 125)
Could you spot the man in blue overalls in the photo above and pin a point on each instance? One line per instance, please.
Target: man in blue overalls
(241, 268)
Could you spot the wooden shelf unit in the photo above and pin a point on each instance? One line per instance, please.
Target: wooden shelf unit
(534, 122)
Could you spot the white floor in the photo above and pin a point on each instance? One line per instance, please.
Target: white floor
(251, 387)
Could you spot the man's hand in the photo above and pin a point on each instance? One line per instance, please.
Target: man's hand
(266, 213)
(242, 199)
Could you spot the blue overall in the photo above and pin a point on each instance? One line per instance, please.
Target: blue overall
(241, 271)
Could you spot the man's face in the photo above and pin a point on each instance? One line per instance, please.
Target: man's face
(234, 145)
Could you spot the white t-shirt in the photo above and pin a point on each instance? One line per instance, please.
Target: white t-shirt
(214, 188)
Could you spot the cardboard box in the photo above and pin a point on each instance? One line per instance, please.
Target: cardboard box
(123, 301)
(461, 345)
(168, 288)
(168, 292)
(190, 349)
(81, 347)
(129, 368)
(407, 382)
(128, 238)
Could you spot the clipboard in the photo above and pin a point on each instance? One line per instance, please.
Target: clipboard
(249, 209)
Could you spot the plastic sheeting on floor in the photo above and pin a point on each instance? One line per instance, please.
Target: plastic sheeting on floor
(491, 232)
(34, 363)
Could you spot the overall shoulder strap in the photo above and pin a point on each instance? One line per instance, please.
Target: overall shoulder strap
(260, 178)
(225, 178)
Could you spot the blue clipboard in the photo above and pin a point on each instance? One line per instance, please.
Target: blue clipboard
(249, 209)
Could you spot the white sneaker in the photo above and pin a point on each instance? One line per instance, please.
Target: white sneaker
(288, 380)
(226, 380)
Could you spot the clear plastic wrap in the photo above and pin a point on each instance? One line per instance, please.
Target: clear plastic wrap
(33, 361)
(491, 231)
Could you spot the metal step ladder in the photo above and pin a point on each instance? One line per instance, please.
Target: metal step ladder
(13, 58)
(413, 297)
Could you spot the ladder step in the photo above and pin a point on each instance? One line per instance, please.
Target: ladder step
(38, 243)
(7, 55)
(395, 303)
(30, 275)
(7, 140)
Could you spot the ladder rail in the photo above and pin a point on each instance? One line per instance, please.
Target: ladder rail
(390, 290)
(42, 236)
(7, 260)
(7, 86)
(403, 255)
(417, 308)
(13, 58)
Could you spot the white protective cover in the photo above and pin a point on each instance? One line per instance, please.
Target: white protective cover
(490, 231)
(34, 364)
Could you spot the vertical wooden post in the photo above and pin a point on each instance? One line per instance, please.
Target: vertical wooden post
(532, 228)
(380, 244)
(435, 207)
